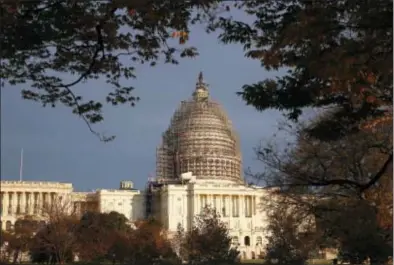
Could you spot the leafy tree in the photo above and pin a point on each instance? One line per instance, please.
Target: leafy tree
(56, 241)
(22, 235)
(5, 238)
(350, 166)
(353, 228)
(98, 232)
(208, 241)
(291, 235)
(149, 244)
(47, 41)
(336, 53)
(311, 171)
(338, 56)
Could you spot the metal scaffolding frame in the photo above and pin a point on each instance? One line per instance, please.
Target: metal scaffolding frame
(201, 140)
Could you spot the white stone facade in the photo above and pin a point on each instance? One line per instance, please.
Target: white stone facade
(240, 208)
(20, 198)
(130, 203)
(198, 164)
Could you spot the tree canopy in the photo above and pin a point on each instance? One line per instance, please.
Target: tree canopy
(337, 53)
(207, 242)
(353, 228)
(45, 42)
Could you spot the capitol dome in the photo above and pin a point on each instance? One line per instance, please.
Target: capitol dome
(201, 140)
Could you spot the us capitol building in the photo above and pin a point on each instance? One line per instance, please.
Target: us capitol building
(198, 164)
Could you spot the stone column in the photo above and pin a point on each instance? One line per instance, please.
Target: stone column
(241, 205)
(23, 203)
(228, 200)
(50, 196)
(14, 202)
(222, 205)
(34, 202)
(39, 203)
(30, 203)
(254, 205)
(6, 203)
(197, 203)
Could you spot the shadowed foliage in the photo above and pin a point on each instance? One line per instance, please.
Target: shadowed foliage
(291, 236)
(97, 234)
(208, 241)
(48, 47)
(336, 53)
(352, 226)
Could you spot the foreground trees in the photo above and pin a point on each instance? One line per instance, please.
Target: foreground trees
(20, 239)
(292, 235)
(56, 241)
(208, 242)
(101, 237)
(341, 184)
(337, 53)
(354, 229)
(97, 233)
(89, 40)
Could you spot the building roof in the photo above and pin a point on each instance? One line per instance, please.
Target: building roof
(200, 139)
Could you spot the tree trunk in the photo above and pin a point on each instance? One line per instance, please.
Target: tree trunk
(16, 255)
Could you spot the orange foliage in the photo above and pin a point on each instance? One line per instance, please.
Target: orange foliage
(152, 230)
(381, 195)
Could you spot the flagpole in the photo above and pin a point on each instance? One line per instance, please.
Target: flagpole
(21, 166)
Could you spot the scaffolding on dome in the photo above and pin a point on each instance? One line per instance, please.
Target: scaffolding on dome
(201, 140)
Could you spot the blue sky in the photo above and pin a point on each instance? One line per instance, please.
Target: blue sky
(59, 147)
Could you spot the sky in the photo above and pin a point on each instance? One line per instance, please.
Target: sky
(59, 147)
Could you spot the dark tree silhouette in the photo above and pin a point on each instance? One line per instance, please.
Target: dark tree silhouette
(45, 42)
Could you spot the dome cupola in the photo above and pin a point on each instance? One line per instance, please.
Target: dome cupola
(201, 140)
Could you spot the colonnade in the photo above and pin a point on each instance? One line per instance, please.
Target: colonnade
(25, 203)
(228, 205)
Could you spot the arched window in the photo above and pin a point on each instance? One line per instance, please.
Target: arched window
(8, 226)
(18, 224)
(247, 241)
(259, 241)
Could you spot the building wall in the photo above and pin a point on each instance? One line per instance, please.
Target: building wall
(20, 198)
(240, 207)
(127, 202)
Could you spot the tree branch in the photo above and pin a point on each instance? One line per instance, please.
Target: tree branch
(379, 174)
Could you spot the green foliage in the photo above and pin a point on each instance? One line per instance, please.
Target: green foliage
(208, 242)
(45, 41)
(336, 53)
